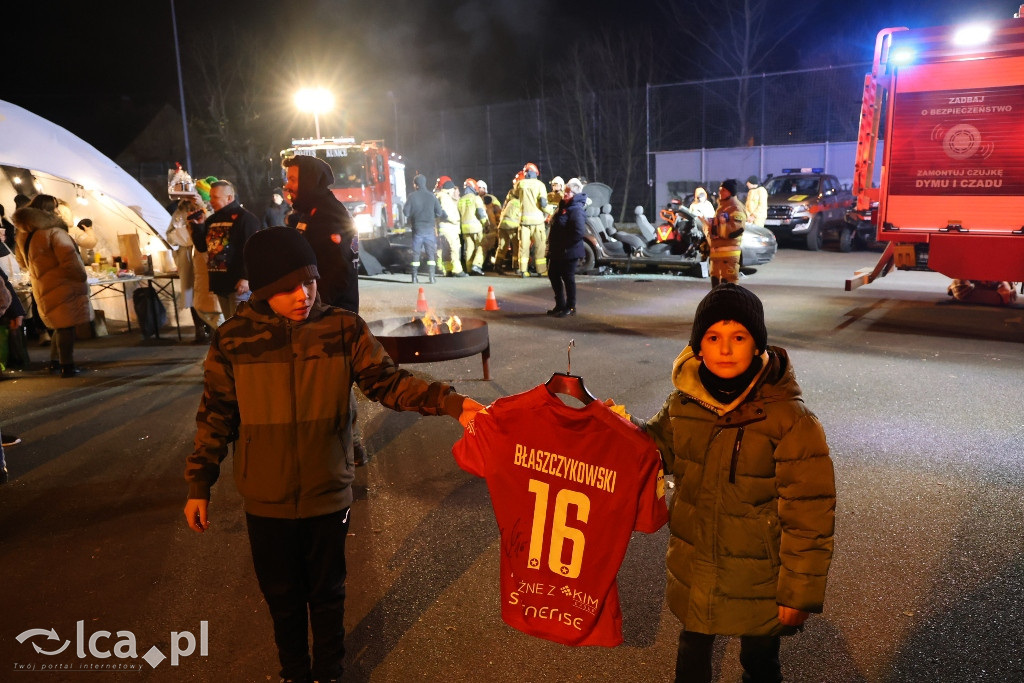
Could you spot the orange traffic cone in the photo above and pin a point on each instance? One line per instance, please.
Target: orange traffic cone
(421, 302)
(492, 303)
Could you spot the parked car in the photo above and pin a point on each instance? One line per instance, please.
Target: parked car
(805, 203)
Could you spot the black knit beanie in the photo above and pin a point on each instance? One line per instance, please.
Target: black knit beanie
(278, 260)
(730, 185)
(730, 302)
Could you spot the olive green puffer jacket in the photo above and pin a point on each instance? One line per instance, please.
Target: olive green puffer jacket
(753, 512)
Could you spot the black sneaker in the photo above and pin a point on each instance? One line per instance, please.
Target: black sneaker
(11, 440)
(4, 477)
(565, 312)
(555, 311)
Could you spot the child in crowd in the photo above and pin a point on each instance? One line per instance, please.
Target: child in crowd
(753, 513)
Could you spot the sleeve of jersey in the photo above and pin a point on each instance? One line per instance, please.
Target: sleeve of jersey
(469, 451)
(652, 512)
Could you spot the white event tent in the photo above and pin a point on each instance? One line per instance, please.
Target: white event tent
(36, 152)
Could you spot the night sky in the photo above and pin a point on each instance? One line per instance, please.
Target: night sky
(102, 70)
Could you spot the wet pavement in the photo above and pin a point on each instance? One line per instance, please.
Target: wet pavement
(920, 399)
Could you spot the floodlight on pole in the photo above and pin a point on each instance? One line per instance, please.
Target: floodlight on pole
(314, 100)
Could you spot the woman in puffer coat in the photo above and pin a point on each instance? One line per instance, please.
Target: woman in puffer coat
(753, 512)
(58, 277)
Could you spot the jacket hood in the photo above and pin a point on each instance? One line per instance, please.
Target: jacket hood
(315, 180)
(420, 181)
(30, 219)
(580, 198)
(775, 382)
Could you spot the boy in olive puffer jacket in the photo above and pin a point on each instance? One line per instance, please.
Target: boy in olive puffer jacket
(277, 384)
(753, 513)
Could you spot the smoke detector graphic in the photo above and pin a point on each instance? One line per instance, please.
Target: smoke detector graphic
(962, 141)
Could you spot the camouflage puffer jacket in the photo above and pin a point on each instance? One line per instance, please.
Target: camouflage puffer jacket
(280, 390)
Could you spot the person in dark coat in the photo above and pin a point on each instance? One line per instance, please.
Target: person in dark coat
(8, 230)
(565, 247)
(327, 225)
(421, 208)
(222, 238)
(277, 210)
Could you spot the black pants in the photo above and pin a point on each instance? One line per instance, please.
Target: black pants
(759, 656)
(300, 565)
(562, 275)
(62, 345)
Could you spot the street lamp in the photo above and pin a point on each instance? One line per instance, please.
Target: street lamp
(315, 100)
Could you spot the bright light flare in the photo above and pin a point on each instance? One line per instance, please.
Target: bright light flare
(975, 34)
(902, 56)
(314, 100)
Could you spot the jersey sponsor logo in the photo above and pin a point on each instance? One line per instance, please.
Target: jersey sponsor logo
(564, 467)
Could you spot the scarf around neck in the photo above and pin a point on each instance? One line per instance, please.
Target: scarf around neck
(726, 390)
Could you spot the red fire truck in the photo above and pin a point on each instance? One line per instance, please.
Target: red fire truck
(368, 179)
(949, 104)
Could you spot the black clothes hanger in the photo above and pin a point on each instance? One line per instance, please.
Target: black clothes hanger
(569, 384)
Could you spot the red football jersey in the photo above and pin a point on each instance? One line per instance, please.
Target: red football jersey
(568, 486)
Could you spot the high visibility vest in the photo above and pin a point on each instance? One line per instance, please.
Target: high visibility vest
(553, 199)
(530, 191)
(468, 205)
(664, 232)
(511, 215)
(450, 208)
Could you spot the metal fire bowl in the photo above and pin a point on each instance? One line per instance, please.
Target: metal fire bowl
(406, 342)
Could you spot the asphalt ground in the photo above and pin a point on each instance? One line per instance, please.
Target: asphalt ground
(920, 398)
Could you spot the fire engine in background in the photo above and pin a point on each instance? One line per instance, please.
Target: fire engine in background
(951, 195)
(368, 179)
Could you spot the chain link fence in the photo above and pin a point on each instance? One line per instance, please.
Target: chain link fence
(607, 136)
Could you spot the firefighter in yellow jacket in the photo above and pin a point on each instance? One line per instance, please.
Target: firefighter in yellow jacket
(449, 248)
(757, 201)
(533, 198)
(472, 216)
(724, 233)
(493, 208)
(508, 229)
(554, 197)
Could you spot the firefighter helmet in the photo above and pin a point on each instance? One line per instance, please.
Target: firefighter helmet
(519, 176)
(481, 186)
(470, 183)
(531, 168)
(557, 180)
(441, 181)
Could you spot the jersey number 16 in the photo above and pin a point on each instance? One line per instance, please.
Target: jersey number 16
(561, 532)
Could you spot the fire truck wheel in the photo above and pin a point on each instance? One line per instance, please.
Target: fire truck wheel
(814, 237)
(846, 240)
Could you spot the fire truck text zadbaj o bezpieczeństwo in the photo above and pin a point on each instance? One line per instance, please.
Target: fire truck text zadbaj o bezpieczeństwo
(948, 105)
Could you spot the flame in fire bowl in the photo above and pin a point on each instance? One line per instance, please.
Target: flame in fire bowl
(407, 341)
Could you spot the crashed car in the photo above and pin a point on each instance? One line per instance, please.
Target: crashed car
(607, 246)
(860, 230)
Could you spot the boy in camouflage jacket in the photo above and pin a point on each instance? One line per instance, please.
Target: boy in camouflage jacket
(277, 380)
